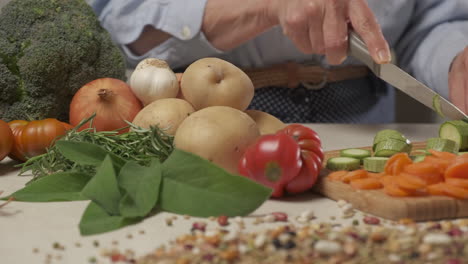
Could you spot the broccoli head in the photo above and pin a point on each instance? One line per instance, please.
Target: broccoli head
(48, 50)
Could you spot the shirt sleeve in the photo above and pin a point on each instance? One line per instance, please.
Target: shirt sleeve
(125, 20)
(436, 34)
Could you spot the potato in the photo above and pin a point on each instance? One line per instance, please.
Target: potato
(266, 123)
(219, 134)
(212, 81)
(165, 113)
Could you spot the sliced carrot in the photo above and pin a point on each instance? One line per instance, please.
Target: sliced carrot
(395, 190)
(459, 182)
(396, 163)
(436, 189)
(356, 174)
(410, 181)
(462, 157)
(442, 164)
(366, 184)
(426, 171)
(337, 175)
(447, 189)
(457, 170)
(377, 175)
(442, 154)
(387, 179)
(456, 192)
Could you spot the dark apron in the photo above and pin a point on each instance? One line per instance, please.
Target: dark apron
(339, 102)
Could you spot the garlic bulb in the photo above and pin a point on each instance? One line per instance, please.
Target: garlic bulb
(153, 79)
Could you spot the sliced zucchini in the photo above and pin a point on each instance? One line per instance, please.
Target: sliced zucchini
(343, 163)
(456, 130)
(375, 164)
(391, 146)
(385, 134)
(442, 144)
(355, 153)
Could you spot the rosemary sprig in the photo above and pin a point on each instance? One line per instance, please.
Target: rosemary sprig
(139, 144)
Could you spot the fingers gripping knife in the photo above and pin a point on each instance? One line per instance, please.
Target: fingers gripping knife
(401, 80)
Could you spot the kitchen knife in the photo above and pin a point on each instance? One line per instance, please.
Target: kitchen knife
(401, 80)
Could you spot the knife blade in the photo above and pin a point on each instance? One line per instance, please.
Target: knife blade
(403, 81)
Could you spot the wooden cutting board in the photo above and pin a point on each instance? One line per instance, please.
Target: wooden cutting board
(378, 203)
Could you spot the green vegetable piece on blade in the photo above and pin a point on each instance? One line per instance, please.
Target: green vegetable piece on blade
(103, 188)
(62, 186)
(142, 186)
(436, 105)
(194, 186)
(96, 220)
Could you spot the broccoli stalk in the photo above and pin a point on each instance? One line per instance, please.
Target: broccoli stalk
(48, 50)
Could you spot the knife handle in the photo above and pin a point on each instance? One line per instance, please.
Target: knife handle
(358, 49)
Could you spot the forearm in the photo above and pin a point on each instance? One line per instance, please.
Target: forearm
(226, 24)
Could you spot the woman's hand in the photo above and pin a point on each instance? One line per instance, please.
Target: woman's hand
(321, 26)
(458, 81)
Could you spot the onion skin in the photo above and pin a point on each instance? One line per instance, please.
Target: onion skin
(111, 99)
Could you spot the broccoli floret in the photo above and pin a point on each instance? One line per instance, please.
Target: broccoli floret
(48, 50)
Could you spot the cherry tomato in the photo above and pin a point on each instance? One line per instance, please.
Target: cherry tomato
(6, 139)
(273, 160)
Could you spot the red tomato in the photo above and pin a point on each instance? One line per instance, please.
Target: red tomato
(311, 154)
(36, 136)
(6, 139)
(16, 127)
(273, 160)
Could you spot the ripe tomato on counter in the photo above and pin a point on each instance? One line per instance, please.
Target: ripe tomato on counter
(6, 139)
(32, 138)
(288, 161)
(311, 155)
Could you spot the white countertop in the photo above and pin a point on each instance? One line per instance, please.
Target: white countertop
(28, 231)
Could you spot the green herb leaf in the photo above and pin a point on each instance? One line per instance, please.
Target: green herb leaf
(103, 188)
(141, 184)
(85, 153)
(96, 220)
(62, 186)
(192, 185)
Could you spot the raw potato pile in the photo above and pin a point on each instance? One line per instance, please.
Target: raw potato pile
(208, 117)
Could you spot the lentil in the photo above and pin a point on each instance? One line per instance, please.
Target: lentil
(321, 243)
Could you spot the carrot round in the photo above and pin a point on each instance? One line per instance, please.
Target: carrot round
(426, 171)
(447, 189)
(457, 170)
(396, 163)
(337, 175)
(436, 189)
(459, 182)
(395, 190)
(356, 174)
(409, 181)
(366, 184)
(442, 154)
(442, 164)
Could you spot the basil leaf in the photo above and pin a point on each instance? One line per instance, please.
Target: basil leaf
(96, 220)
(62, 186)
(85, 153)
(192, 185)
(103, 188)
(141, 184)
